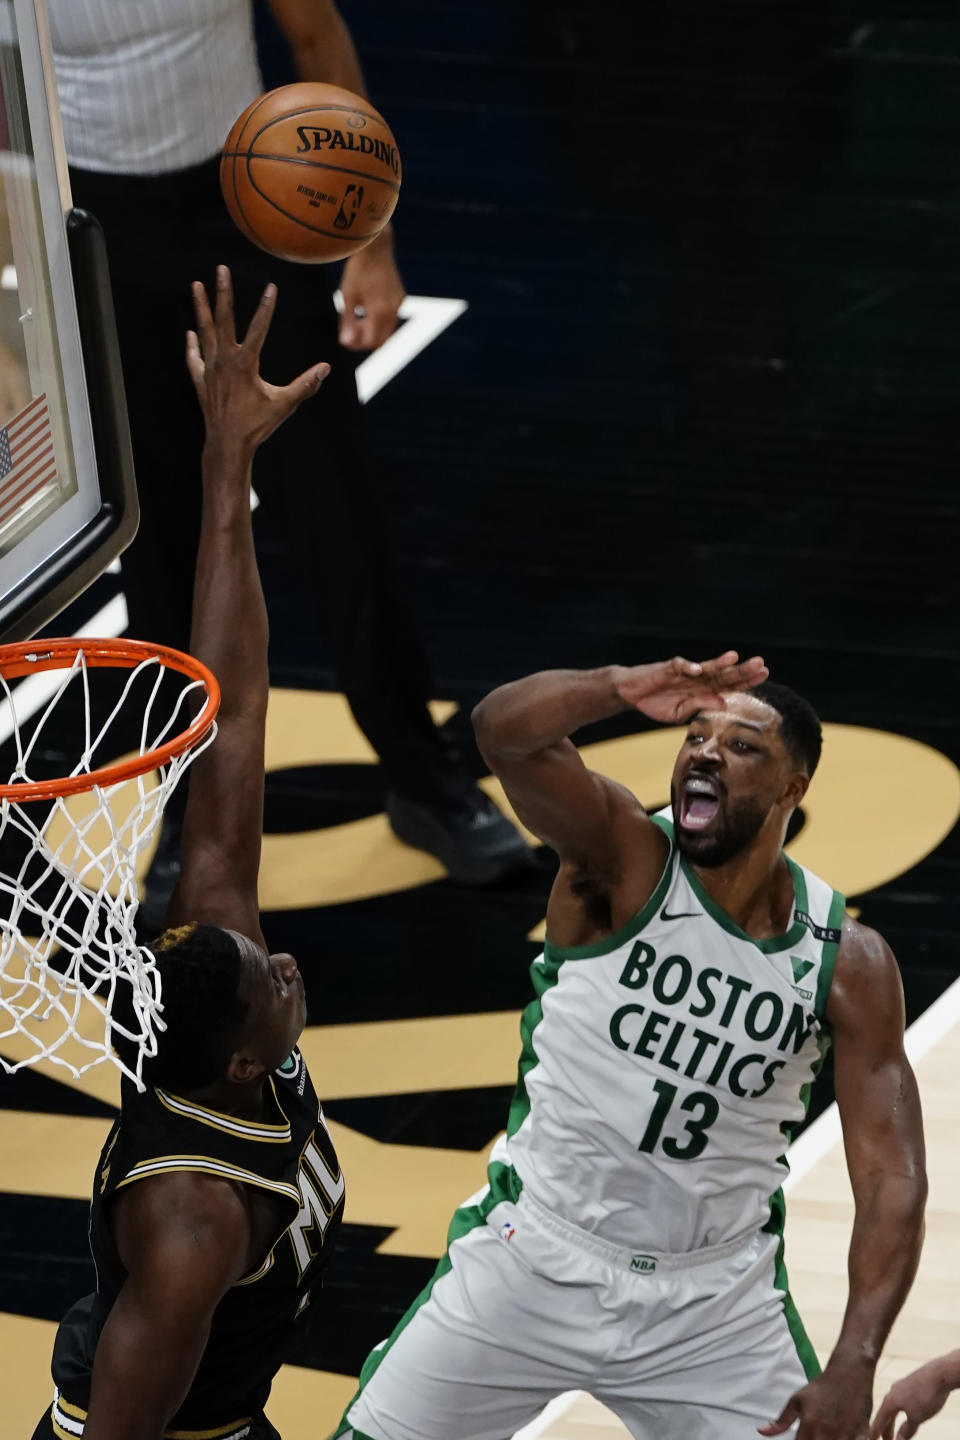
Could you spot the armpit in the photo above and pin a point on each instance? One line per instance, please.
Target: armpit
(592, 889)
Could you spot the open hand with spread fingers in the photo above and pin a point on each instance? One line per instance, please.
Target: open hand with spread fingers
(240, 408)
(918, 1396)
(672, 690)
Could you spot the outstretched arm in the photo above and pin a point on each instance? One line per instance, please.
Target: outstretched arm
(224, 818)
(883, 1138)
(611, 856)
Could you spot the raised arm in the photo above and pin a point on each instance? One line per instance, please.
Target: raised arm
(598, 829)
(883, 1138)
(220, 856)
(183, 1240)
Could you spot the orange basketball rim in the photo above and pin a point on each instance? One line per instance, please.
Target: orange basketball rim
(33, 657)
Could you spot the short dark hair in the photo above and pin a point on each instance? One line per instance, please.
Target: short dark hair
(799, 723)
(200, 972)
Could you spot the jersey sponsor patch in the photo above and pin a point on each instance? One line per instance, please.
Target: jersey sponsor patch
(801, 968)
(819, 932)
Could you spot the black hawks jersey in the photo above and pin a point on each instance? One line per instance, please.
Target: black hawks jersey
(289, 1155)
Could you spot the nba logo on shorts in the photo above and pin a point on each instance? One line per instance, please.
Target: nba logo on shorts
(645, 1264)
(507, 1231)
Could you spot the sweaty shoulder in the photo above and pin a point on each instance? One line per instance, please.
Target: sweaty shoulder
(197, 1223)
(866, 979)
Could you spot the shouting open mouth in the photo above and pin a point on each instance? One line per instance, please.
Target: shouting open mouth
(699, 801)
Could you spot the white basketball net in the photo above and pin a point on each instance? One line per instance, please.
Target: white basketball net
(68, 896)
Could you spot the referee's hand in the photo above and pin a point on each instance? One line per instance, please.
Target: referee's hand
(918, 1396)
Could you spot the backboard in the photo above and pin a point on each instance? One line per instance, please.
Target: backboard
(67, 495)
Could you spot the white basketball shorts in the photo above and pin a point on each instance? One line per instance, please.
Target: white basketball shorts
(524, 1306)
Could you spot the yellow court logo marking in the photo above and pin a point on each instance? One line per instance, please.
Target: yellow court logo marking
(879, 804)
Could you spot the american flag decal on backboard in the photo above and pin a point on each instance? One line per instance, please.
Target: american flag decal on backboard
(27, 462)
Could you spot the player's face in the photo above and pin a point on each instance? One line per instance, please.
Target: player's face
(729, 780)
(278, 1006)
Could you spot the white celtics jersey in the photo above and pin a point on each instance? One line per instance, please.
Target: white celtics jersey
(664, 1067)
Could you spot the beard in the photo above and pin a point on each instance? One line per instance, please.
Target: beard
(739, 824)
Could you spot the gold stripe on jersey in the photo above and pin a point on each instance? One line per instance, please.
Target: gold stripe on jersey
(67, 1408)
(207, 1165)
(234, 1431)
(105, 1164)
(64, 1428)
(229, 1124)
(62, 1409)
(304, 1162)
(259, 1274)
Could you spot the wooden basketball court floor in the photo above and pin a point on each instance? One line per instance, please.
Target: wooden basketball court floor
(820, 1213)
(700, 390)
(383, 1078)
(52, 1155)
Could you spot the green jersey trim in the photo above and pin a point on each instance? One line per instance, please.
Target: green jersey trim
(776, 1225)
(775, 943)
(504, 1184)
(828, 957)
(544, 975)
(804, 1347)
(626, 932)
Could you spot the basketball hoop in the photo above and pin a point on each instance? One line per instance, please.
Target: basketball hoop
(70, 843)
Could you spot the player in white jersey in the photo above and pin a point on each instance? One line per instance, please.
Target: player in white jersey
(629, 1242)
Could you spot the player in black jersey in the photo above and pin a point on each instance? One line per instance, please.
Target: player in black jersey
(218, 1190)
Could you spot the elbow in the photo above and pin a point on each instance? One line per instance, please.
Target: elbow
(484, 732)
(495, 733)
(480, 720)
(922, 1191)
(918, 1188)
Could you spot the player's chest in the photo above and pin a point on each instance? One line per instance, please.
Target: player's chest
(292, 1238)
(701, 1005)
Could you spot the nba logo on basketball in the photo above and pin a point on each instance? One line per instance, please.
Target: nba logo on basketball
(296, 151)
(352, 200)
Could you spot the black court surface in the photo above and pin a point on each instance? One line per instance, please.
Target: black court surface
(704, 394)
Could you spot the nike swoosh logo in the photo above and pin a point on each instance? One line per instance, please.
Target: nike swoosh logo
(681, 914)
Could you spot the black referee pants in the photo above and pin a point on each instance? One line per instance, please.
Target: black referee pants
(162, 233)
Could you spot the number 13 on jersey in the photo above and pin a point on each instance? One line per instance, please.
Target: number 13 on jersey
(702, 1108)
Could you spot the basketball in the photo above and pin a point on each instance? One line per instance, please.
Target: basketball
(310, 173)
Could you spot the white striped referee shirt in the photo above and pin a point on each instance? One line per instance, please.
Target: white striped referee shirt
(150, 86)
